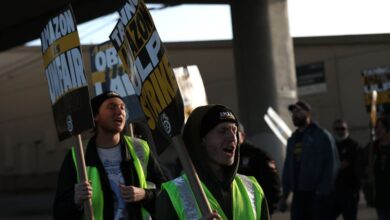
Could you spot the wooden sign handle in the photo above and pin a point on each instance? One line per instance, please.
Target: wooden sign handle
(88, 210)
(193, 178)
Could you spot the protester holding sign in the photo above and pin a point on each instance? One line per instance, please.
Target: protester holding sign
(118, 168)
(210, 136)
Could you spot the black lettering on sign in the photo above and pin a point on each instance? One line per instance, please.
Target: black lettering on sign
(57, 27)
(140, 29)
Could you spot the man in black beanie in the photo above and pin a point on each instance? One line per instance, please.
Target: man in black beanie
(210, 136)
(118, 169)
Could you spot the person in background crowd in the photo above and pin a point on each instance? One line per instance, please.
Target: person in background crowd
(118, 169)
(347, 186)
(381, 167)
(310, 167)
(256, 162)
(210, 136)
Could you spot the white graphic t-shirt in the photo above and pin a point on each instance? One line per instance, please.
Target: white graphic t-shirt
(111, 159)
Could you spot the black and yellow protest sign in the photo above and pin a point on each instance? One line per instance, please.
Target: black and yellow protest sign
(143, 56)
(68, 88)
(64, 71)
(377, 79)
(108, 74)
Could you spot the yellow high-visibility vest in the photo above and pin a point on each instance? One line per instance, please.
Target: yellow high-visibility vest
(246, 193)
(140, 152)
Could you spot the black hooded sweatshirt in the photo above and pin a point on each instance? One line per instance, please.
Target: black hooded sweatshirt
(221, 190)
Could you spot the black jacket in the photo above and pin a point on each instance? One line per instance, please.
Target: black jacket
(382, 175)
(347, 178)
(221, 190)
(64, 206)
(256, 162)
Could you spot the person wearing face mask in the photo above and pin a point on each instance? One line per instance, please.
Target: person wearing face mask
(310, 167)
(346, 193)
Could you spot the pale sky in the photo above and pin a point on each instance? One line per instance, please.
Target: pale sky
(338, 17)
(213, 22)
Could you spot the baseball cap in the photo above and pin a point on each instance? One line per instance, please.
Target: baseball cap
(300, 104)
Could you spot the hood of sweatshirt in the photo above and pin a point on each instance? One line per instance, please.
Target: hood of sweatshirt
(197, 124)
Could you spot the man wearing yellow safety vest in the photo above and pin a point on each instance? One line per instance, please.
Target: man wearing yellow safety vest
(210, 136)
(118, 169)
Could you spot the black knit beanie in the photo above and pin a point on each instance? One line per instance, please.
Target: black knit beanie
(214, 116)
(98, 100)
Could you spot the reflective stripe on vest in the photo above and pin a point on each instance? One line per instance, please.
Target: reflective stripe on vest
(140, 152)
(246, 193)
(182, 198)
(250, 188)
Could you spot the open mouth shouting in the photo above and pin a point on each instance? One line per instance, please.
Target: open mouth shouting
(229, 151)
(119, 121)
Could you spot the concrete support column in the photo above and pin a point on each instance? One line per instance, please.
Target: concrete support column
(265, 69)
